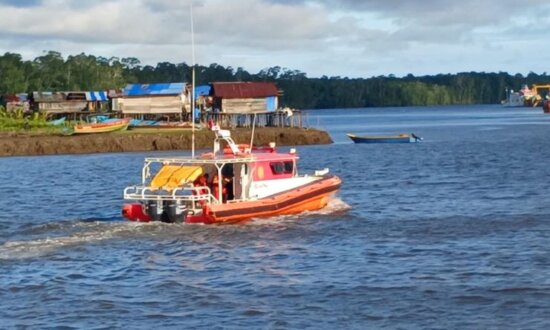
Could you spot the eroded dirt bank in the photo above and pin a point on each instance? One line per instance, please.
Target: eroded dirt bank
(29, 144)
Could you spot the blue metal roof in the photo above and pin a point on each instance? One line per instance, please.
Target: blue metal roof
(154, 89)
(202, 90)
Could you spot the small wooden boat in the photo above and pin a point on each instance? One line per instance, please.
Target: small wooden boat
(152, 126)
(255, 183)
(109, 125)
(399, 138)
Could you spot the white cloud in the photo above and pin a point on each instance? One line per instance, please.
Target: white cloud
(326, 37)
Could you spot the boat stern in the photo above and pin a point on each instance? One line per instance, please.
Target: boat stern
(135, 212)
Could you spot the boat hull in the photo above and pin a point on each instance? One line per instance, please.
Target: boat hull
(159, 129)
(117, 125)
(402, 138)
(310, 197)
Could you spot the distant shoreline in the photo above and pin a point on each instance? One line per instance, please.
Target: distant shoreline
(28, 144)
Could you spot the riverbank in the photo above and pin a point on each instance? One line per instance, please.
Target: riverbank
(27, 144)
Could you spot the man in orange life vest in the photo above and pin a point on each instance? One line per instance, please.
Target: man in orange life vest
(202, 188)
(202, 181)
(216, 189)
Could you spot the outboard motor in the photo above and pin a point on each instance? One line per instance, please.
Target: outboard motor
(176, 212)
(154, 209)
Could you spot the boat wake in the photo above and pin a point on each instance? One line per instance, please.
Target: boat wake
(67, 234)
(335, 206)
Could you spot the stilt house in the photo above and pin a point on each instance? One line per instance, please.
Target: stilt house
(154, 99)
(244, 97)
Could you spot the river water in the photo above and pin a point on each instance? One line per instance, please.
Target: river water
(452, 232)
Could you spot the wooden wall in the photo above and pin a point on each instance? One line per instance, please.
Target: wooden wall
(172, 104)
(244, 105)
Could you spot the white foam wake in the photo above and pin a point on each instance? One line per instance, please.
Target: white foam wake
(90, 232)
(335, 205)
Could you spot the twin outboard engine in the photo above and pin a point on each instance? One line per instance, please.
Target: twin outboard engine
(166, 211)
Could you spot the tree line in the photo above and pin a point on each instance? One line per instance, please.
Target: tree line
(52, 72)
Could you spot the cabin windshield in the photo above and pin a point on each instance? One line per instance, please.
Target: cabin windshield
(282, 167)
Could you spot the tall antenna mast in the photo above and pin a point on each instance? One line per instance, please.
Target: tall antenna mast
(192, 83)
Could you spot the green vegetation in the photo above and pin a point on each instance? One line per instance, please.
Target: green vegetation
(51, 72)
(17, 121)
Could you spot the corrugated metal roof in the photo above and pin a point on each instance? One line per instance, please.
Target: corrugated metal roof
(154, 89)
(243, 90)
(48, 97)
(23, 97)
(20, 97)
(96, 96)
(75, 96)
(202, 90)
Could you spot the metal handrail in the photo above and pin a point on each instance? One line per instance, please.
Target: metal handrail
(188, 194)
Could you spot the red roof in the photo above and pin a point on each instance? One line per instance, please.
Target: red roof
(21, 97)
(244, 90)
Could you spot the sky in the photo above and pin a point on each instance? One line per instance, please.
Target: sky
(333, 38)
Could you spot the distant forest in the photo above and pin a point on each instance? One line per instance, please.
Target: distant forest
(51, 72)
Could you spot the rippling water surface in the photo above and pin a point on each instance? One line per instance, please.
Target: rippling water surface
(453, 232)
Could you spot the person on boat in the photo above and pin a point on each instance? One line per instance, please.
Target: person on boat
(228, 184)
(216, 188)
(202, 181)
(202, 188)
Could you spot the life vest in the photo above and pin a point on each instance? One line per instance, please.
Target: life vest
(201, 182)
(216, 189)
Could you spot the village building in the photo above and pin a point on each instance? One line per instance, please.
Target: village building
(55, 104)
(203, 99)
(17, 101)
(58, 103)
(150, 100)
(240, 104)
(97, 101)
(115, 96)
(244, 97)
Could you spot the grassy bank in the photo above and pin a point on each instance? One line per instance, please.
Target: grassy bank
(19, 122)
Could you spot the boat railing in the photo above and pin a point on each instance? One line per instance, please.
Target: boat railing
(190, 195)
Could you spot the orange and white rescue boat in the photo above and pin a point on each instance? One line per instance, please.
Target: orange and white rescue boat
(230, 184)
